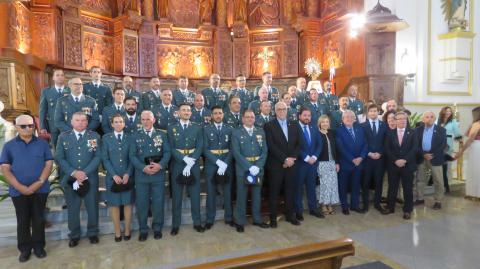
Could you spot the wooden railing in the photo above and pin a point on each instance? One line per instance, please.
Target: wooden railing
(317, 255)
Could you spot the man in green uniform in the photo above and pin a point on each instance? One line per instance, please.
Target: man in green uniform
(214, 95)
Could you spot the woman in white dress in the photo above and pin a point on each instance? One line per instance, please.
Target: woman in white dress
(327, 190)
(472, 188)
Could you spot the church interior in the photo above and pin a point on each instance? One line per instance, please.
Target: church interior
(423, 54)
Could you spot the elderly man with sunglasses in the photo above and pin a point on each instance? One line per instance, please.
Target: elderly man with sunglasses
(26, 162)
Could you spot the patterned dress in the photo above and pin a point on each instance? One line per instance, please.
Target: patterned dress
(327, 190)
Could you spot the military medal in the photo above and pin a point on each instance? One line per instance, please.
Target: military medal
(92, 145)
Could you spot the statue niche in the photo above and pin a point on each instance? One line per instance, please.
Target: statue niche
(264, 13)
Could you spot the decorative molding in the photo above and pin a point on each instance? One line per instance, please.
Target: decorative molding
(147, 56)
(73, 44)
(130, 54)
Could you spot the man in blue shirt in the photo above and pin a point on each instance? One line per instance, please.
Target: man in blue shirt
(26, 163)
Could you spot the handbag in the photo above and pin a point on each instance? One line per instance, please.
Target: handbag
(152, 159)
(83, 189)
(116, 188)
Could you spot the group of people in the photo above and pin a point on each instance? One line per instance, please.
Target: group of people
(298, 142)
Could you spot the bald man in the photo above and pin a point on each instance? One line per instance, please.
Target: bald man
(214, 95)
(129, 88)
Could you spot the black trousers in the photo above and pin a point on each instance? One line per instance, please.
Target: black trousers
(395, 175)
(445, 177)
(278, 179)
(30, 211)
(373, 172)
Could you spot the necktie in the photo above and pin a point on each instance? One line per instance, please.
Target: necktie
(96, 85)
(374, 129)
(350, 130)
(250, 132)
(131, 120)
(147, 132)
(236, 116)
(185, 126)
(167, 109)
(76, 100)
(119, 109)
(59, 90)
(285, 129)
(315, 106)
(266, 119)
(79, 136)
(119, 138)
(400, 137)
(306, 134)
(219, 127)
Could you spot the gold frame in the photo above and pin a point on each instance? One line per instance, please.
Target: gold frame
(470, 34)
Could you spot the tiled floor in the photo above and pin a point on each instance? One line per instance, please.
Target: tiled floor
(432, 239)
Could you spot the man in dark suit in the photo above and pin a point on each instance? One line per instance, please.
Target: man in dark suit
(283, 142)
(352, 146)
(375, 131)
(433, 143)
(311, 147)
(401, 146)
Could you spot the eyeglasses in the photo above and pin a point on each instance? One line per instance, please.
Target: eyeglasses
(24, 126)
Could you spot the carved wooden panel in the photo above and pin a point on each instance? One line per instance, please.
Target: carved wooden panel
(225, 59)
(184, 13)
(290, 58)
(147, 56)
(43, 35)
(331, 10)
(4, 84)
(101, 7)
(265, 58)
(98, 51)
(380, 51)
(130, 51)
(59, 39)
(240, 58)
(96, 23)
(19, 28)
(118, 53)
(180, 60)
(73, 44)
(263, 13)
(20, 94)
(333, 51)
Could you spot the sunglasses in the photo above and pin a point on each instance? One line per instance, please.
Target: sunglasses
(24, 126)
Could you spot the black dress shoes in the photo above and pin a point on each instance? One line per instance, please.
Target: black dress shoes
(24, 256)
(294, 221)
(273, 224)
(299, 216)
(382, 210)
(317, 214)
(407, 216)
(199, 228)
(127, 237)
(345, 211)
(419, 202)
(208, 226)
(358, 210)
(118, 239)
(73, 242)
(240, 228)
(142, 237)
(157, 235)
(40, 253)
(262, 225)
(174, 231)
(230, 223)
(93, 239)
(437, 206)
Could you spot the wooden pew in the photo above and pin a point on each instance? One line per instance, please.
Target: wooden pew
(324, 255)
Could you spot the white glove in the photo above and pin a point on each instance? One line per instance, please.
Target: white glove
(76, 186)
(189, 160)
(254, 170)
(221, 170)
(220, 163)
(186, 171)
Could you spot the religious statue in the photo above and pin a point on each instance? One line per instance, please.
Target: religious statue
(206, 7)
(147, 9)
(162, 8)
(125, 5)
(293, 9)
(240, 10)
(265, 12)
(454, 12)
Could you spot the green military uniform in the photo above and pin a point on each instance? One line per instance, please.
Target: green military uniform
(255, 106)
(138, 97)
(234, 120)
(246, 97)
(335, 119)
(318, 109)
(215, 97)
(356, 106)
(165, 116)
(48, 103)
(260, 120)
(101, 93)
(202, 117)
(108, 113)
(66, 106)
(332, 101)
(115, 151)
(273, 94)
(82, 154)
(151, 100)
(143, 145)
(132, 123)
(217, 147)
(299, 100)
(180, 98)
(248, 151)
(188, 142)
(292, 114)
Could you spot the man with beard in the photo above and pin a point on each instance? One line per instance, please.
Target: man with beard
(132, 118)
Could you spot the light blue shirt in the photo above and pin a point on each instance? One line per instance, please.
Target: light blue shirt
(427, 138)
(283, 124)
